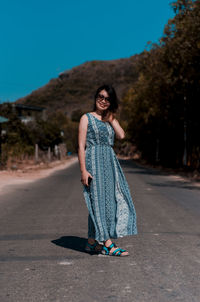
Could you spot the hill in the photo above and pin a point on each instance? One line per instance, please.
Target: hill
(74, 89)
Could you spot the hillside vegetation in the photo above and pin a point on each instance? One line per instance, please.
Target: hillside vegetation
(162, 107)
(74, 89)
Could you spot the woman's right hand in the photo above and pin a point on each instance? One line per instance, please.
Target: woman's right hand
(84, 177)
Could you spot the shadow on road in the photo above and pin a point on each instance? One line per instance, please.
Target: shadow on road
(71, 242)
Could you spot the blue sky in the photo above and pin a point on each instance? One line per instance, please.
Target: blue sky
(40, 39)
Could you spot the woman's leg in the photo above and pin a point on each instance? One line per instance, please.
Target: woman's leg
(91, 234)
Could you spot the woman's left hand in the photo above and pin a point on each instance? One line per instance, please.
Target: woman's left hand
(111, 117)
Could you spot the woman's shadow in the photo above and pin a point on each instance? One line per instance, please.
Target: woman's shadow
(71, 242)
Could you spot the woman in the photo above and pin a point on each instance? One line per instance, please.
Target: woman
(106, 191)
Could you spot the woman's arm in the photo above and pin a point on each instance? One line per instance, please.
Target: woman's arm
(82, 132)
(120, 134)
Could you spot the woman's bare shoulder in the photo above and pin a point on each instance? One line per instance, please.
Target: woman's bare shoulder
(84, 118)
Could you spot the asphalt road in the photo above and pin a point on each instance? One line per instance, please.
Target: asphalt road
(43, 229)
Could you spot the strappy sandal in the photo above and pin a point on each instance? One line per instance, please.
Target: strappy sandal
(117, 252)
(91, 248)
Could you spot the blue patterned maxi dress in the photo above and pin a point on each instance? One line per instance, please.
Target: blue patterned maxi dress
(108, 199)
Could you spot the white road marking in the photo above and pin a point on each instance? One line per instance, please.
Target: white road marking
(65, 263)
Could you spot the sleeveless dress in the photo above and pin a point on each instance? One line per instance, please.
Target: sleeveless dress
(111, 210)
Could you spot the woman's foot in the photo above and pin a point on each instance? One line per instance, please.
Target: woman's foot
(93, 246)
(108, 242)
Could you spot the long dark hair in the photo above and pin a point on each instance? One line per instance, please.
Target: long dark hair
(112, 95)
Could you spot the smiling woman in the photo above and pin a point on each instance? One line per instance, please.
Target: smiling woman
(105, 188)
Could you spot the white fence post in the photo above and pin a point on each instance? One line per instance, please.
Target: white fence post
(49, 154)
(36, 153)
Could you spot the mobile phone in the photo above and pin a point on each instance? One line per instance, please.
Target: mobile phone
(89, 180)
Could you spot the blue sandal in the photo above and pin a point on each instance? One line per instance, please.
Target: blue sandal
(117, 252)
(91, 248)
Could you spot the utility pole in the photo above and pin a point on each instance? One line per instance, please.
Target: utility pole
(185, 134)
(157, 150)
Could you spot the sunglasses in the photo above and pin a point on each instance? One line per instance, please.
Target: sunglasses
(101, 97)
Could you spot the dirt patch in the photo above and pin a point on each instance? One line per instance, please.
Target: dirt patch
(32, 173)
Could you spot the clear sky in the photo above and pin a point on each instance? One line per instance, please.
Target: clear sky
(41, 38)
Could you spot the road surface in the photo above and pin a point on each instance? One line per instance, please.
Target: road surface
(43, 230)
